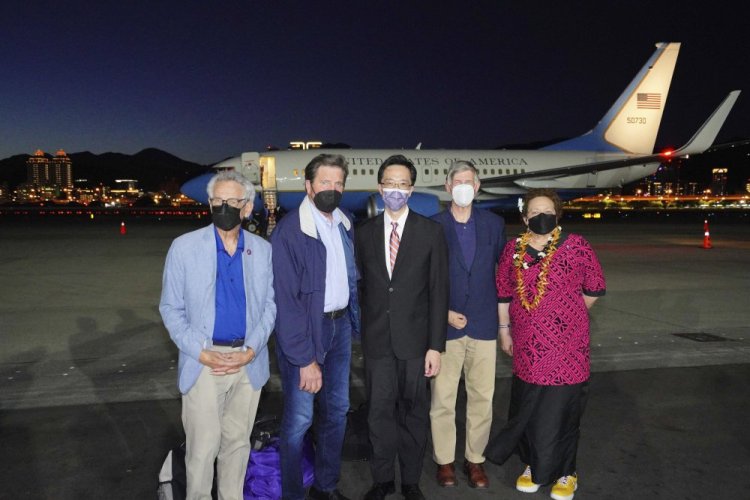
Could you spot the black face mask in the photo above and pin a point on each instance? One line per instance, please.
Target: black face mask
(543, 223)
(225, 217)
(327, 201)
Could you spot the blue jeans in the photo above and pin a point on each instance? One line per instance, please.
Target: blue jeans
(328, 409)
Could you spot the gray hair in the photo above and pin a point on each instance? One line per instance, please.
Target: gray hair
(232, 176)
(459, 166)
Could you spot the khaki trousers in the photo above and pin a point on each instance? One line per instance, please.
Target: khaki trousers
(477, 359)
(218, 415)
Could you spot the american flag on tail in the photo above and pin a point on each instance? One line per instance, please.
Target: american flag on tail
(648, 100)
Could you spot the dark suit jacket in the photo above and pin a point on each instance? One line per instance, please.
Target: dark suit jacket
(473, 291)
(407, 314)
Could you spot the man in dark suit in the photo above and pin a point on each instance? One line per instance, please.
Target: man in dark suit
(475, 239)
(403, 262)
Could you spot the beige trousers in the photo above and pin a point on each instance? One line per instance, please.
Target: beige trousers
(218, 415)
(477, 359)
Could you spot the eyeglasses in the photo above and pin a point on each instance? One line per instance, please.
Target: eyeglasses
(458, 183)
(232, 202)
(389, 184)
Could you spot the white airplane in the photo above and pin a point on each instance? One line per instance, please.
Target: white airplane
(618, 150)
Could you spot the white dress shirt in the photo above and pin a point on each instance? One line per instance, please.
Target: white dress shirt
(387, 228)
(337, 282)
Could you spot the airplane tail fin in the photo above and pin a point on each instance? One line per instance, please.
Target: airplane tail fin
(632, 123)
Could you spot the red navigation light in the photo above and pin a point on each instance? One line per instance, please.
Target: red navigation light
(667, 153)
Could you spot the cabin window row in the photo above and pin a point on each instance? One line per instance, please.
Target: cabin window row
(483, 171)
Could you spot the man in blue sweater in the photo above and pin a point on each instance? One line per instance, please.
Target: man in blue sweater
(315, 280)
(475, 239)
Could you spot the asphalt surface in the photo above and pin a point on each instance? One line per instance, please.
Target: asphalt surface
(89, 406)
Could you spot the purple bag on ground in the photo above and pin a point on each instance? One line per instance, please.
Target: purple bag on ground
(263, 477)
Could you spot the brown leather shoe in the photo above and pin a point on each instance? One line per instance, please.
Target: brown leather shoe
(446, 475)
(476, 475)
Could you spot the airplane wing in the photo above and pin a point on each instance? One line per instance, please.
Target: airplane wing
(700, 141)
(727, 145)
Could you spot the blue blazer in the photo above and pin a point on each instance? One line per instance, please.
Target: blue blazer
(188, 301)
(472, 291)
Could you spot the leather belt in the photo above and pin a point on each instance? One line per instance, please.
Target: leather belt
(335, 314)
(230, 343)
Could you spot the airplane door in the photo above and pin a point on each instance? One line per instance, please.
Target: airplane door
(250, 167)
(270, 197)
(268, 172)
(591, 178)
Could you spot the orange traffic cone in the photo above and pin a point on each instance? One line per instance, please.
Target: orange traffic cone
(123, 229)
(706, 235)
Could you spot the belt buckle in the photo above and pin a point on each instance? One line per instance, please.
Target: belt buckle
(335, 314)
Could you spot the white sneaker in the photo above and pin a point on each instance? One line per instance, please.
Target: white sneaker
(524, 482)
(564, 488)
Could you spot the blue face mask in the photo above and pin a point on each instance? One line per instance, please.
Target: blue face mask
(395, 199)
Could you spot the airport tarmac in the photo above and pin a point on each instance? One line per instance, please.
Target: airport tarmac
(89, 406)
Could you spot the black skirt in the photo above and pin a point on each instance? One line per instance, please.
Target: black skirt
(543, 428)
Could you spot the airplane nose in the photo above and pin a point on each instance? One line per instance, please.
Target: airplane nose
(196, 188)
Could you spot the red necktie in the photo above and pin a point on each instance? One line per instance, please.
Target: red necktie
(394, 243)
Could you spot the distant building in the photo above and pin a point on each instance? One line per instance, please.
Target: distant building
(25, 193)
(719, 181)
(41, 172)
(62, 170)
(126, 191)
(37, 169)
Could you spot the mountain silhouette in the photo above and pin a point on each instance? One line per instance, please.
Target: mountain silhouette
(154, 169)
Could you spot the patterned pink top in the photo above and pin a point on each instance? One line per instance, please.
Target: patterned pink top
(551, 342)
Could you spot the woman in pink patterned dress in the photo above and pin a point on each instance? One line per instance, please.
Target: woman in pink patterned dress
(546, 282)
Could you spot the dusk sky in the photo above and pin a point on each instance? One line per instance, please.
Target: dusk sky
(208, 80)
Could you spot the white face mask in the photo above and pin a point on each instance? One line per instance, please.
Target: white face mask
(463, 194)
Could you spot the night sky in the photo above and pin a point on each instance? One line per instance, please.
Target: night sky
(208, 80)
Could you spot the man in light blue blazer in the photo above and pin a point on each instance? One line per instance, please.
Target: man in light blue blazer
(217, 303)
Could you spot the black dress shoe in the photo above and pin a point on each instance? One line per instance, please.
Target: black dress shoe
(412, 492)
(316, 494)
(380, 490)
